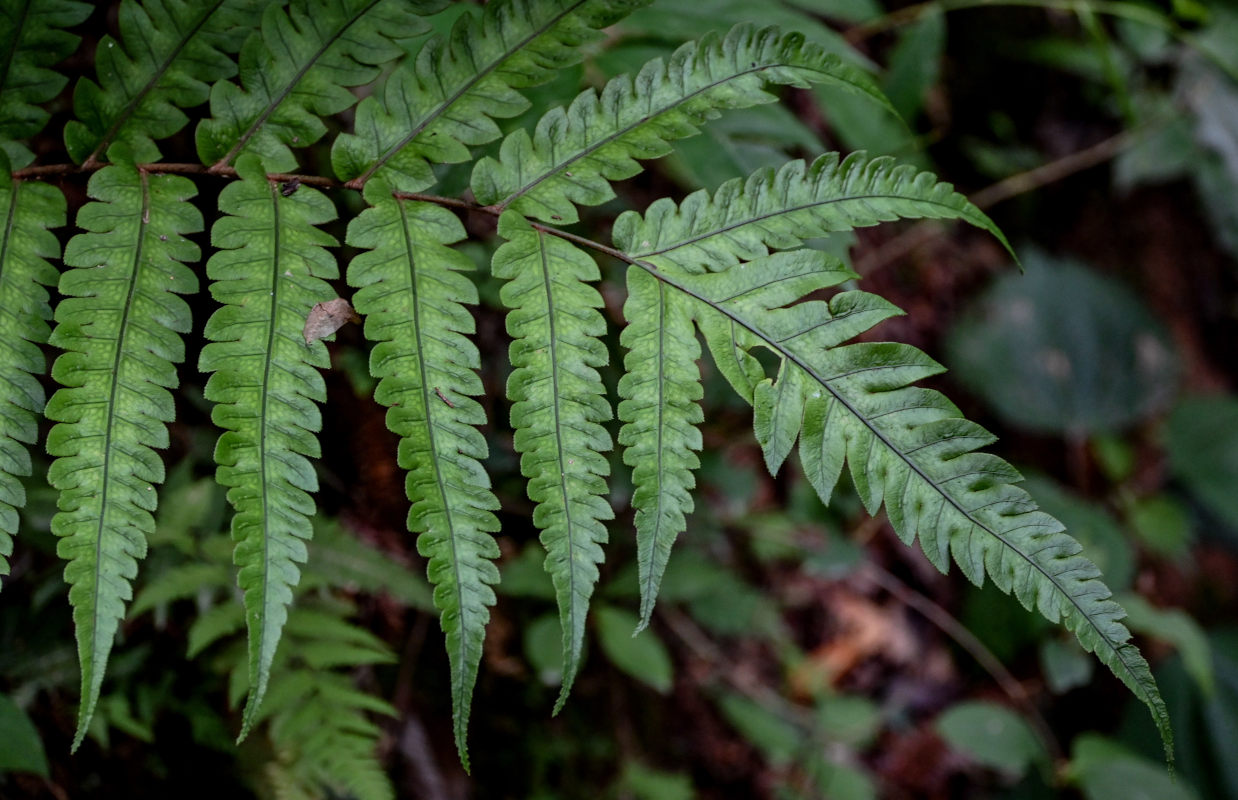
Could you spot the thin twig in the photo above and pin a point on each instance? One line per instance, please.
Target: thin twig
(964, 638)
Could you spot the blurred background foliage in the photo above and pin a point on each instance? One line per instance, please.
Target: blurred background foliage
(798, 651)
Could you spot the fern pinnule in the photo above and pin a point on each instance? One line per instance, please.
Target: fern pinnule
(413, 297)
(778, 209)
(661, 390)
(119, 326)
(27, 210)
(271, 269)
(558, 407)
(908, 448)
(32, 39)
(576, 152)
(169, 53)
(434, 108)
(298, 69)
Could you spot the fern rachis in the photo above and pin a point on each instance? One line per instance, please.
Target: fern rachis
(729, 264)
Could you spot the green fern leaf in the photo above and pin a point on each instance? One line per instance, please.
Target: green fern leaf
(907, 447)
(32, 39)
(170, 52)
(576, 152)
(118, 326)
(436, 107)
(558, 406)
(271, 270)
(660, 390)
(744, 219)
(298, 69)
(412, 296)
(27, 210)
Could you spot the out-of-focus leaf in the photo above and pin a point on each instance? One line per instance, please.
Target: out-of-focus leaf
(523, 576)
(1104, 770)
(1161, 524)
(991, 735)
(1176, 627)
(543, 648)
(1065, 665)
(850, 719)
(21, 749)
(739, 144)
(1063, 350)
(643, 656)
(915, 64)
(1202, 440)
(777, 738)
(643, 783)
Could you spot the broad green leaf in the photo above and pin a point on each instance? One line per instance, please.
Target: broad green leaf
(413, 298)
(558, 407)
(270, 270)
(643, 656)
(991, 735)
(21, 749)
(119, 327)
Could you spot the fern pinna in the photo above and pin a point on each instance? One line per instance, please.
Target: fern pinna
(731, 265)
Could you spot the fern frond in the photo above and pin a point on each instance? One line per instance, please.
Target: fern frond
(660, 390)
(413, 298)
(298, 69)
(27, 210)
(32, 38)
(745, 219)
(118, 326)
(169, 53)
(270, 271)
(575, 152)
(907, 447)
(558, 405)
(436, 107)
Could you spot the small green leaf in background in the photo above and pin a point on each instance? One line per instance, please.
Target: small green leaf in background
(850, 719)
(643, 656)
(1065, 664)
(543, 648)
(644, 783)
(21, 749)
(1176, 627)
(1202, 439)
(777, 738)
(991, 735)
(1063, 349)
(523, 576)
(1162, 524)
(1104, 770)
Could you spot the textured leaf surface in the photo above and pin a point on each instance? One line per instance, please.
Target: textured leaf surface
(300, 68)
(27, 210)
(575, 152)
(32, 39)
(169, 53)
(660, 389)
(435, 108)
(119, 327)
(559, 403)
(413, 298)
(908, 448)
(269, 271)
(772, 209)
